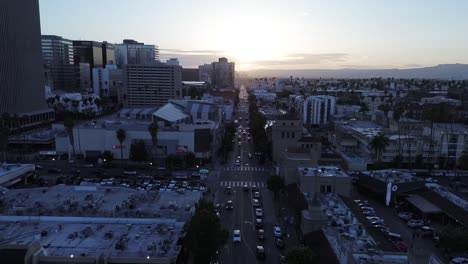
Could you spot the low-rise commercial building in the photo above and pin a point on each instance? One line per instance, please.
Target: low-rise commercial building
(324, 180)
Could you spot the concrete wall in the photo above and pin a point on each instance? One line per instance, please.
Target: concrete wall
(340, 185)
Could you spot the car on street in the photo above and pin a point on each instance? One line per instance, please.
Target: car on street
(229, 205)
(245, 188)
(130, 172)
(260, 252)
(237, 162)
(257, 195)
(259, 212)
(282, 259)
(277, 231)
(405, 215)
(279, 243)
(426, 231)
(459, 260)
(261, 234)
(255, 203)
(236, 236)
(255, 188)
(414, 223)
(228, 190)
(217, 208)
(250, 154)
(258, 223)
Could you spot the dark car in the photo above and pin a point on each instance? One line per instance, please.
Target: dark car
(228, 190)
(255, 188)
(245, 188)
(279, 243)
(260, 252)
(261, 234)
(54, 170)
(229, 205)
(258, 223)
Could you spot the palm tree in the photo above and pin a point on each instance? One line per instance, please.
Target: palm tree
(69, 123)
(378, 144)
(121, 135)
(153, 129)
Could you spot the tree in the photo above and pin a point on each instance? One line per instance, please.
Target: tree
(275, 184)
(121, 135)
(301, 255)
(69, 123)
(4, 133)
(378, 144)
(204, 234)
(190, 160)
(454, 238)
(138, 151)
(153, 130)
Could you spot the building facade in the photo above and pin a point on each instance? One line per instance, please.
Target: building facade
(108, 81)
(21, 70)
(222, 75)
(133, 52)
(317, 109)
(57, 54)
(285, 134)
(151, 85)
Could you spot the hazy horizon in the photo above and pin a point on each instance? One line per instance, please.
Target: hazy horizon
(273, 35)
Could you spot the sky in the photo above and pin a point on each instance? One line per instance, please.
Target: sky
(258, 34)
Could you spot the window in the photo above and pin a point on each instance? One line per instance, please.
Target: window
(287, 134)
(322, 188)
(329, 189)
(284, 123)
(293, 134)
(282, 134)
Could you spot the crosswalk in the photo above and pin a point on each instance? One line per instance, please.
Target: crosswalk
(242, 183)
(244, 168)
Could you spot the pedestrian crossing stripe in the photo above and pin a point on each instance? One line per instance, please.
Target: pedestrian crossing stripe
(242, 183)
(242, 168)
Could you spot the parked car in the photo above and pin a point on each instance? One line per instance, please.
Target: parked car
(368, 213)
(414, 223)
(236, 236)
(405, 215)
(367, 208)
(459, 260)
(279, 243)
(130, 172)
(277, 231)
(259, 212)
(374, 219)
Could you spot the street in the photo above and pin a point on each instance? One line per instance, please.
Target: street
(234, 176)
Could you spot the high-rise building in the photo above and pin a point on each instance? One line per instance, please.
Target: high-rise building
(149, 85)
(88, 52)
(59, 69)
(107, 81)
(133, 52)
(204, 73)
(317, 109)
(190, 75)
(21, 71)
(222, 75)
(108, 53)
(172, 61)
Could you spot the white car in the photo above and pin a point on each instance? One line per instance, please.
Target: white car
(459, 260)
(258, 212)
(405, 216)
(236, 236)
(130, 172)
(257, 195)
(413, 223)
(277, 231)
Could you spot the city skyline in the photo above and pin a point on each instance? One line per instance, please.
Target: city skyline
(272, 35)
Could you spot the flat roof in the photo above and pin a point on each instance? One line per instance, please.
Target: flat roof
(322, 171)
(422, 204)
(108, 237)
(100, 201)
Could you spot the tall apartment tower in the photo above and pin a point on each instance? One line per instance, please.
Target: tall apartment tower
(222, 75)
(317, 109)
(150, 85)
(59, 68)
(21, 71)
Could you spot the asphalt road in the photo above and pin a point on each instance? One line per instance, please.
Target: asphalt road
(242, 217)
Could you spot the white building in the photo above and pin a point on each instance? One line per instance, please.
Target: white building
(107, 81)
(317, 109)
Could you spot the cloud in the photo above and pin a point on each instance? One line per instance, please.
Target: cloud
(307, 58)
(413, 65)
(190, 52)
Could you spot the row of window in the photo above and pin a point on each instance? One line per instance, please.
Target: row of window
(288, 134)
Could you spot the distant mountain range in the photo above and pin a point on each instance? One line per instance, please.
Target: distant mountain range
(442, 71)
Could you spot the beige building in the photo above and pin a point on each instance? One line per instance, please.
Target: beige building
(292, 158)
(323, 180)
(285, 133)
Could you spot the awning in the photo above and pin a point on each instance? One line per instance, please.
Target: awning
(423, 205)
(205, 171)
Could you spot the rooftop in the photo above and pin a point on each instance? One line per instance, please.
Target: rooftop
(99, 201)
(93, 237)
(380, 258)
(323, 171)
